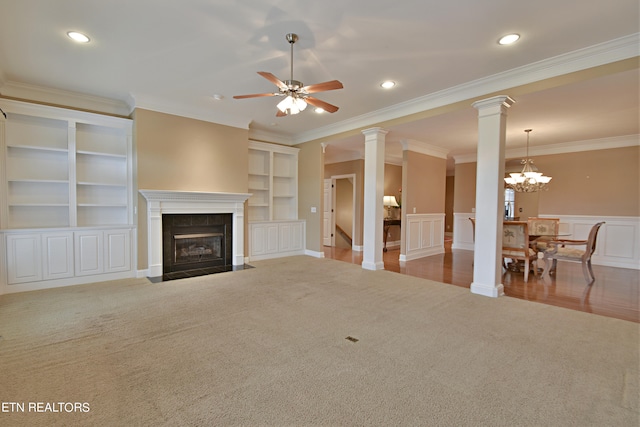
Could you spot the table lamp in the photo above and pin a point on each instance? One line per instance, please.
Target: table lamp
(390, 202)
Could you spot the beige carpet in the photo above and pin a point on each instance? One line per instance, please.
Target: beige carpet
(267, 347)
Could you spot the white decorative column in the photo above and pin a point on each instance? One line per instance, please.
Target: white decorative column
(487, 258)
(374, 141)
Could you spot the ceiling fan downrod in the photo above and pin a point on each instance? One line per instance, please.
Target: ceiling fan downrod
(292, 84)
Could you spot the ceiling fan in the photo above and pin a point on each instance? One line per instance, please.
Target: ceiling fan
(296, 95)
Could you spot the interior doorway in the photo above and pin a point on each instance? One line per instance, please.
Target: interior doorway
(339, 210)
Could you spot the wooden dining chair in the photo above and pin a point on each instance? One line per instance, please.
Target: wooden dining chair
(515, 245)
(572, 250)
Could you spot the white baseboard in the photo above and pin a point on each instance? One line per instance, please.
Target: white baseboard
(314, 254)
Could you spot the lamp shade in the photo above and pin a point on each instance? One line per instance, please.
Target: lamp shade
(390, 201)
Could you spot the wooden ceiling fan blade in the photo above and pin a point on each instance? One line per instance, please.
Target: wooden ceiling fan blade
(321, 104)
(273, 79)
(254, 95)
(321, 87)
(280, 114)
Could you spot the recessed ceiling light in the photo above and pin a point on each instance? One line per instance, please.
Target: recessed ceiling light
(218, 97)
(319, 110)
(509, 38)
(388, 84)
(79, 37)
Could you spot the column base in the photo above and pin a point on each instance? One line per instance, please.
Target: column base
(373, 265)
(493, 291)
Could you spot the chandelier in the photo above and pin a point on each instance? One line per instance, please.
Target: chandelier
(527, 181)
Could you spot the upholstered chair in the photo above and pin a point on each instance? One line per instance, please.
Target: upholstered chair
(515, 245)
(546, 228)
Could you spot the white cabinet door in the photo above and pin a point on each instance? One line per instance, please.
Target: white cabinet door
(290, 237)
(24, 260)
(264, 239)
(274, 239)
(57, 255)
(117, 250)
(89, 252)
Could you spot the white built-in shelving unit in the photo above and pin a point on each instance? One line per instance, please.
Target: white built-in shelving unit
(69, 173)
(273, 182)
(274, 228)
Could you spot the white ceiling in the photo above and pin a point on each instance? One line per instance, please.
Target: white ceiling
(174, 56)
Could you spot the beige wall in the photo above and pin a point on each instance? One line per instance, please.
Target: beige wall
(177, 153)
(393, 181)
(310, 192)
(598, 182)
(425, 181)
(464, 197)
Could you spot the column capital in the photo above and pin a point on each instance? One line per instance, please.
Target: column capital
(374, 131)
(501, 103)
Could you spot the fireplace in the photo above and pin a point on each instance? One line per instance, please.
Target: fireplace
(196, 241)
(161, 203)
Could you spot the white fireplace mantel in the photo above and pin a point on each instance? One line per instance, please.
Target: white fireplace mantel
(191, 202)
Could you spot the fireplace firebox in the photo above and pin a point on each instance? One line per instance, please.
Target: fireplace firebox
(196, 241)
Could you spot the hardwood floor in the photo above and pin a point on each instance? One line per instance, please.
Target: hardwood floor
(615, 292)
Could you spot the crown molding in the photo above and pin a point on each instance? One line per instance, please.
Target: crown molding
(577, 146)
(581, 59)
(562, 148)
(262, 135)
(424, 148)
(332, 157)
(65, 98)
(147, 102)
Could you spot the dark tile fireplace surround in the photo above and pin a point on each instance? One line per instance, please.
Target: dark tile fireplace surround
(196, 244)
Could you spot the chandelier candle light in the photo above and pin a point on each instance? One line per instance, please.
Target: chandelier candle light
(527, 181)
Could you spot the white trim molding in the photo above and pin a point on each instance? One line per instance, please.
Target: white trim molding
(424, 236)
(190, 202)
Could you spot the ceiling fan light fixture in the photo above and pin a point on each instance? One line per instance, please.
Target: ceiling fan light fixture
(291, 105)
(509, 39)
(285, 104)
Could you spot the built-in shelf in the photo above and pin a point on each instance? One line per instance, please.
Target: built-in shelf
(38, 148)
(57, 161)
(273, 182)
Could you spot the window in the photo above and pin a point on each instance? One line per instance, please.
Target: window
(509, 203)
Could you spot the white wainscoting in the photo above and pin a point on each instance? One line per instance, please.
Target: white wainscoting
(274, 239)
(618, 243)
(424, 236)
(462, 231)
